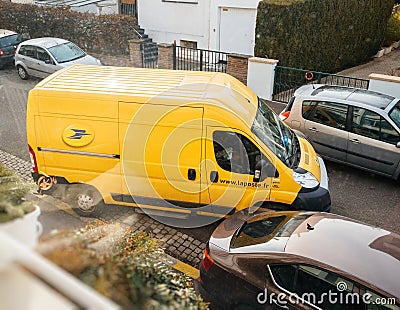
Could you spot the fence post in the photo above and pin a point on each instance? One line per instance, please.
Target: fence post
(261, 76)
(135, 52)
(237, 66)
(201, 60)
(166, 59)
(386, 84)
(174, 55)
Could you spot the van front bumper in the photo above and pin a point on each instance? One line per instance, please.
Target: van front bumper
(318, 199)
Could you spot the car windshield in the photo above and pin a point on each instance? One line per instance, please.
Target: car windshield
(277, 137)
(14, 39)
(66, 52)
(395, 114)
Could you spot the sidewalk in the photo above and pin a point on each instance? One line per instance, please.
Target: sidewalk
(384, 65)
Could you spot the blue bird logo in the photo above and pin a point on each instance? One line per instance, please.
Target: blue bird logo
(78, 134)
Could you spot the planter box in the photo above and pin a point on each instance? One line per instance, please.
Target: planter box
(379, 53)
(26, 230)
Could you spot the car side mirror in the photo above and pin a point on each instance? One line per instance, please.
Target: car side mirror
(48, 61)
(398, 145)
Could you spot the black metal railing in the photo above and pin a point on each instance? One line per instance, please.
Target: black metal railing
(287, 80)
(186, 58)
(128, 9)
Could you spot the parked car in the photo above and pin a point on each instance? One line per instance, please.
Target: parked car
(296, 260)
(357, 127)
(43, 56)
(9, 41)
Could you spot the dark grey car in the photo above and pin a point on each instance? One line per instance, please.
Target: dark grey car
(9, 41)
(358, 127)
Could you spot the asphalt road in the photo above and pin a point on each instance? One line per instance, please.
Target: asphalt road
(356, 194)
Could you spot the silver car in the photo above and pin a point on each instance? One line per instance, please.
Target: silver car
(358, 127)
(43, 56)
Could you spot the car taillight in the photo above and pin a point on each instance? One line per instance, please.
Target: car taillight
(207, 261)
(2, 53)
(33, 159)
(284, 115)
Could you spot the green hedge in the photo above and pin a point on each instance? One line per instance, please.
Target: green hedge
(107, 34)
(321, 35)
(393, 28)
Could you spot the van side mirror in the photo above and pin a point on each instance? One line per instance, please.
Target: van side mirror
(263, 170)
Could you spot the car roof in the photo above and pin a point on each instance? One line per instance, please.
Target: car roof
(46, 42)
(342, 93)
(6, 33)
(368, 253)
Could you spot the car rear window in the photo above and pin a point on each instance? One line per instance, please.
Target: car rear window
(265, 227)
(14, 39)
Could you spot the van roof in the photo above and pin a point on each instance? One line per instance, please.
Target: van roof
(174, 86)
(362, 96)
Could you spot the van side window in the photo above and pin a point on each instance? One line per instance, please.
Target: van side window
(372, 125)
(235, 153)
(327, 113)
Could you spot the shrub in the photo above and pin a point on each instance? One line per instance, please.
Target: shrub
(393, 29)
(12, 193)
(127, 267)
(321, 35)
(89, 31)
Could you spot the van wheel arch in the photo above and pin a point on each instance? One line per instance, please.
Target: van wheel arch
(84, 199)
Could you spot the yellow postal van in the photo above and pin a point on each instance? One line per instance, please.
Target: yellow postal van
(186, 142)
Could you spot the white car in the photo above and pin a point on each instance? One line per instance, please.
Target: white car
(41, 57)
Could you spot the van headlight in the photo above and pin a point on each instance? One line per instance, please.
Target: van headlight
(305, 178)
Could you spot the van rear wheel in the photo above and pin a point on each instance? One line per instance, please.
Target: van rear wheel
(84, 199)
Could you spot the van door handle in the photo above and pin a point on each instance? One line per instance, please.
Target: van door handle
(355, 141)
(313, 129)
(214, 176)
(191, 174)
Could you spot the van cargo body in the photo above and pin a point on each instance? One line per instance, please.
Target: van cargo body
(171, 141)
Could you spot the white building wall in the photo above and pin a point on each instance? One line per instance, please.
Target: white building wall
(200, 20)
(166, 21)
(246, 20)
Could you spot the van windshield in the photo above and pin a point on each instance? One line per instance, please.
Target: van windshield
(277, 137)
(66, 52)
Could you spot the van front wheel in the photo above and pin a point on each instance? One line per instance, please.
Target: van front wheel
(85, 200)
